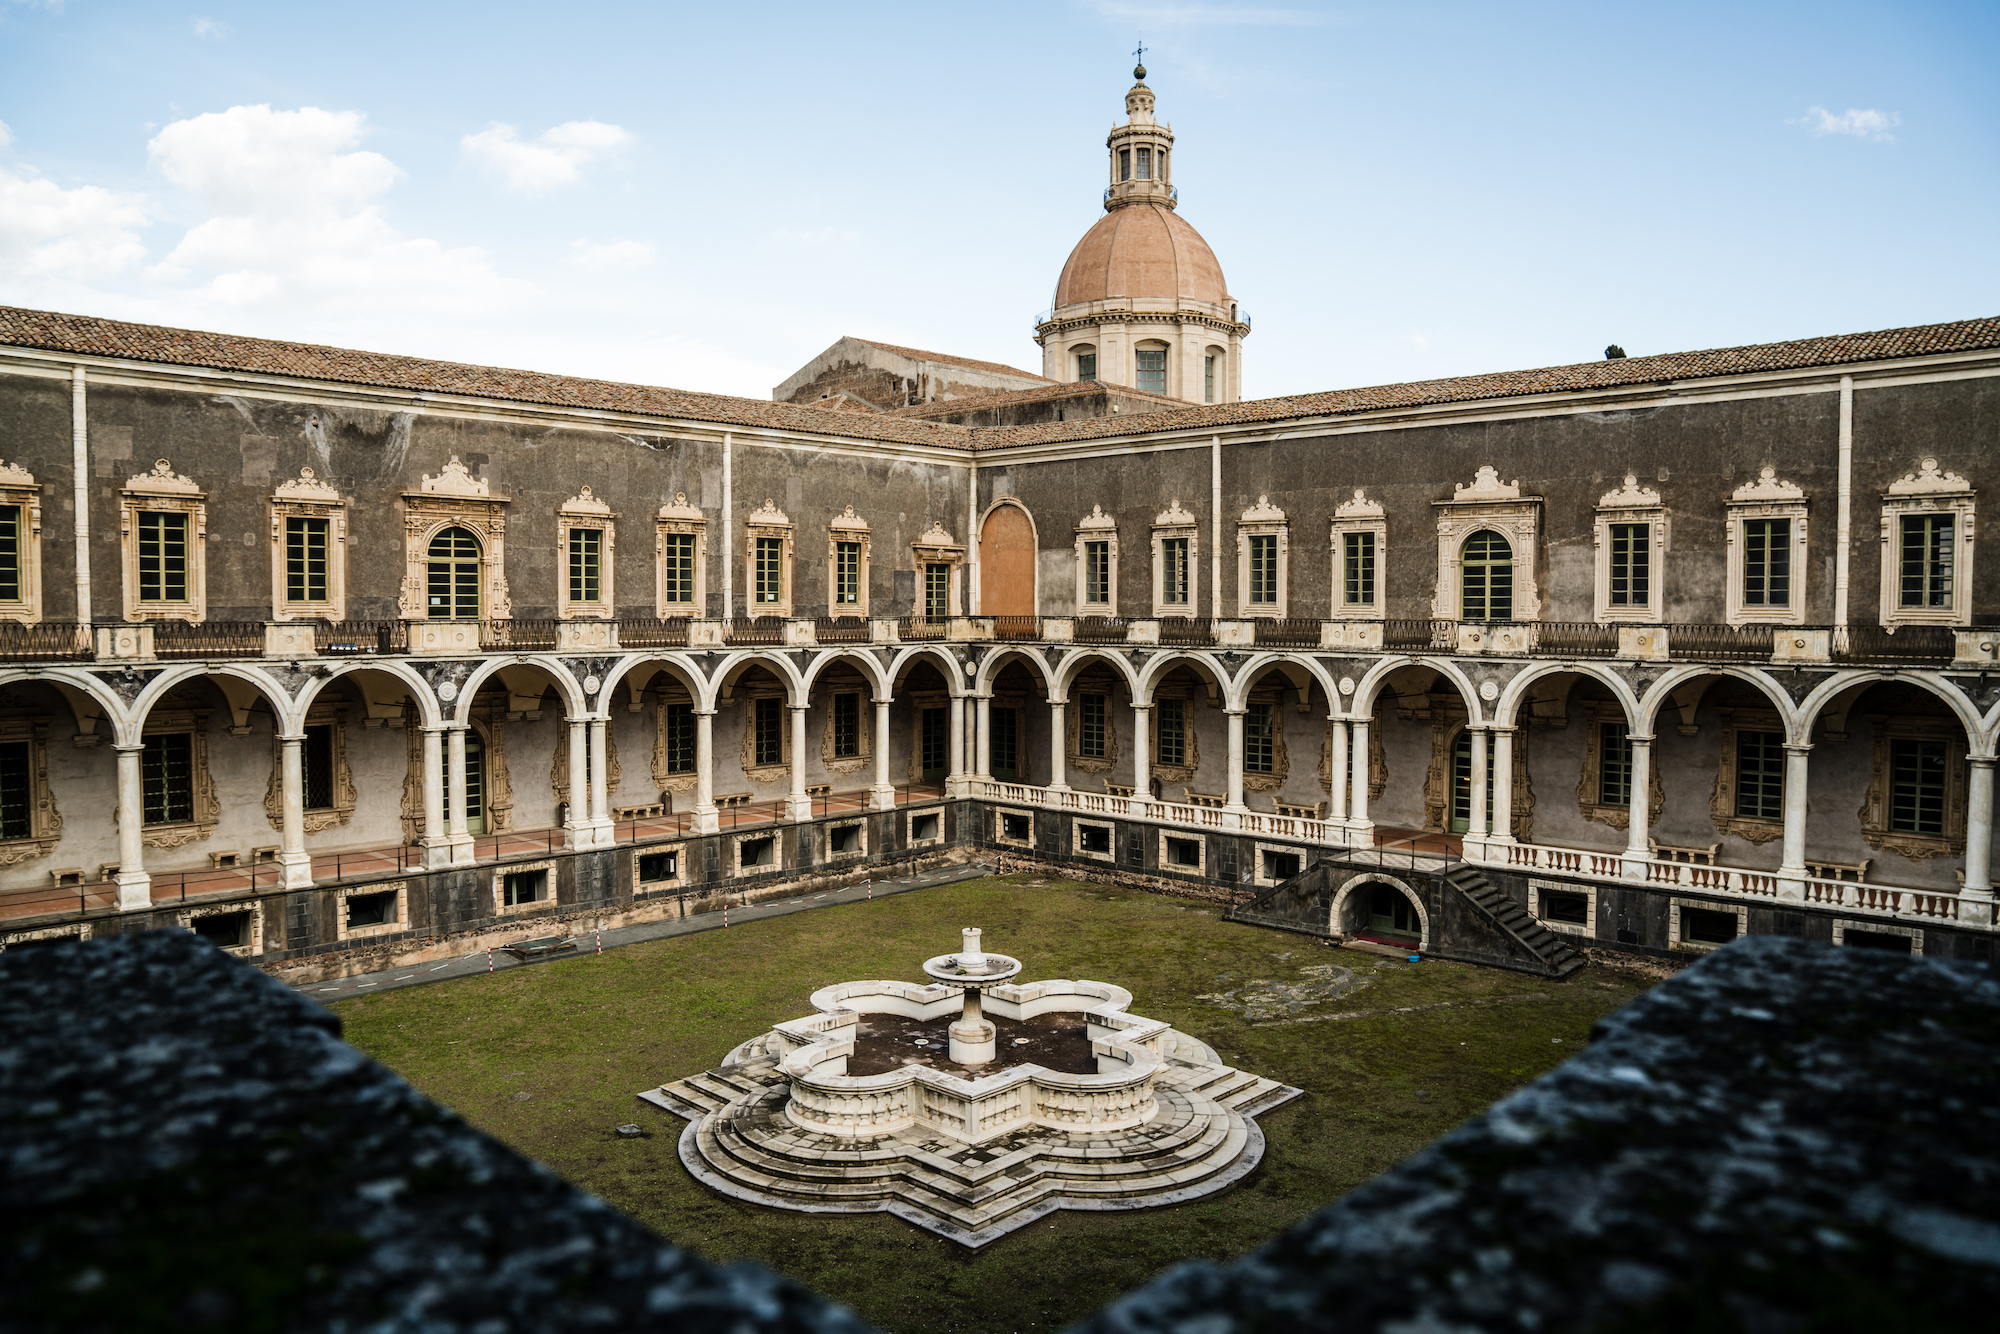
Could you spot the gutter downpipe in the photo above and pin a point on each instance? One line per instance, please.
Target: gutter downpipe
(728, 532)
(1215, 527)
(79, 448)
(1844, 524)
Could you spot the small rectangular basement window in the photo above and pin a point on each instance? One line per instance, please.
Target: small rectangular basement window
(1280, 865)
(371, 909)
(524, 887)
(1562, 906)
(759, 852)
(1183, 852)
(844, 838)
(654, 866)
(1093, 838)
(1708, 927)
(923, 827)
(228, 930)
(1875, 940)
(1019, 828)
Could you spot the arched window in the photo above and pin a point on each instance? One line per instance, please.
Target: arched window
(1086, 363)
(454, 560)
(1153, 367)
(1486, 578)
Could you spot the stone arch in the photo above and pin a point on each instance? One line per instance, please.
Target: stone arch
(1657, 696)
(946, 665)
(776, 664)
(1163, 665)
(1800, 729)
(1301, 672)
(1366, 692)
(993, 664)
(568, 688)
(865, 663)
(1343, 898)
(1072, 666)
(130, 728)
(676, 665)
(1007, 547)
(429, 713)
(114, 707)
(1506, 708)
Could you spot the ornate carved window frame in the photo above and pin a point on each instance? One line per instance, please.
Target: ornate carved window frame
(680, 518)
(162, 491)
(1281, 756)
(1928, 490)
(767, 521)
(864, 713)
(167, 721)
(847, 526)
(454, 498)
(307, 497)
(19, 487)
(324, 713)
(1263, 519)
(780, 772)
(45, 820)
(1874, 812)
(1359, 515)
(672, 693)
(1489, 504)
(1188, 697)
(1589, 784)
(1173, 522)
(1097, 526)
(585, 510)
(1722, 801)
(935, 546)
(1768, 497)
(1630, 504)
(1073, 725)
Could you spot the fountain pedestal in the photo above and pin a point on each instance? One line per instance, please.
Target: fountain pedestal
(972, 1038)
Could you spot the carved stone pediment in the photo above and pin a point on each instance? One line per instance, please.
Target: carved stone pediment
(13, 474)
(454, 479)
(1097, 519)
(163, 481)
(308, 488)
(1263, 512)
(585, 503)
(1768, 486)
(1486, 485)
(768, 515)
(1630, 496)
(1361, 507)
(1173, 516)
(1927, 480)
(680, 510)
(847, 521)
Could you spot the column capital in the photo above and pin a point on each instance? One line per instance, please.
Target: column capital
(1639, 740)
(1981, 761)
(1798, 747)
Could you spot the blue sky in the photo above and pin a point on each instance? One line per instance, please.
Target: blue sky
(707, 195)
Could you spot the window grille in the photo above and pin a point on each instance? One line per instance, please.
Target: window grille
(1259, 752)
(1767, 562)
(163, 557)
(1090, 727)
(1153, 369)
(1173, 732)
(680, 739)
(166, 776)
(846, 726)
(1486, 583)
(1631, 565)
(316, 767)
(1917, 774)
(1358, 572)
(1614, 757)
(17, 797)
(1928, 547)
(1760, 774)
(770, 738)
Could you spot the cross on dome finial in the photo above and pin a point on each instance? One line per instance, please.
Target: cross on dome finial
(1139, 62)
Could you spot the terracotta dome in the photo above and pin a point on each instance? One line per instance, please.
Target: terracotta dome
(1141, 251)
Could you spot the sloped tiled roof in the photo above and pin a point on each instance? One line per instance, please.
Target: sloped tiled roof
(1080, 389)
(946, 359)
(89, 336)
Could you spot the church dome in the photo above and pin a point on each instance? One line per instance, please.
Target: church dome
(1139, 252)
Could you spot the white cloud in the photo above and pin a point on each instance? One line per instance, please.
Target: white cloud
(1873, 126)
(46, 230)
(593, 255)
(210, 28)
(294, 219)
(556, 158)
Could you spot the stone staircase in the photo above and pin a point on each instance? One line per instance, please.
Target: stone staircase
(740, 1143)
(1550, 950)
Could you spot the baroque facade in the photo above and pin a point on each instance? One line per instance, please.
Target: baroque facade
(355, 655)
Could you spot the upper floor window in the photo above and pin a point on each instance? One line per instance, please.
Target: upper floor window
(1097, 563)
(937, 591)
(769, 551)
(1086, 366)
(1486, 578)
(306, 560)
(1263, 571)
(1767, 551)
(308, 549)
(1145, 164)
(1262, 552)
(1097, 574)
(454, 569)
(680, 544)
(1927, 546)
(1152, 369)
(1175, 544)
(1630, 535)
(1360, 530)
(20, 545)
(585, 532)
(163, 528)
(847, 556)
(937, 559)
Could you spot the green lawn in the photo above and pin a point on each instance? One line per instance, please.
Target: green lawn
(581, 1036)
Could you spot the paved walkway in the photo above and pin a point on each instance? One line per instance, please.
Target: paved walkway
(473, 964)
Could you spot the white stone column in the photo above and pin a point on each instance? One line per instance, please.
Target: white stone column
(1234, 801)
(1337, 775)
(436, 839)
(798, 806)
(454, 784)
(705, 818)
(1142, 757)
(1502, 815)
(1792, 870)
(135, 887)
(1357, 814)
(1638, 824)
(1979, 835)
(1478, 827)
(982, 733)
(1058, 753)
(577, 821)
(883, 795)
(294, 862)
(600, 783)
(954, 779)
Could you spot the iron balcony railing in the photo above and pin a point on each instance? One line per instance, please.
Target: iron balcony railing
(841, 629)
(1188, 630)
(528, 635)
(208, 639)
(1908, 643)
(1719, 643)
(1017, 627)
(1286, 632)
(51, 641)
(652, 632)
(346, 639)
(1100, 629)
(754, 630)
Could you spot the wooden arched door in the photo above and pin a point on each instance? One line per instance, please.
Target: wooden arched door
(1007, 563)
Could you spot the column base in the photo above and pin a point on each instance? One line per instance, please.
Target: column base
(798, 807)
(437, 854)
(707, 820)
(882, 797)
(1792, 884)
(461, 850)
(295, 870)
(1636, 865)
(135, 891)
(974, 1043)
